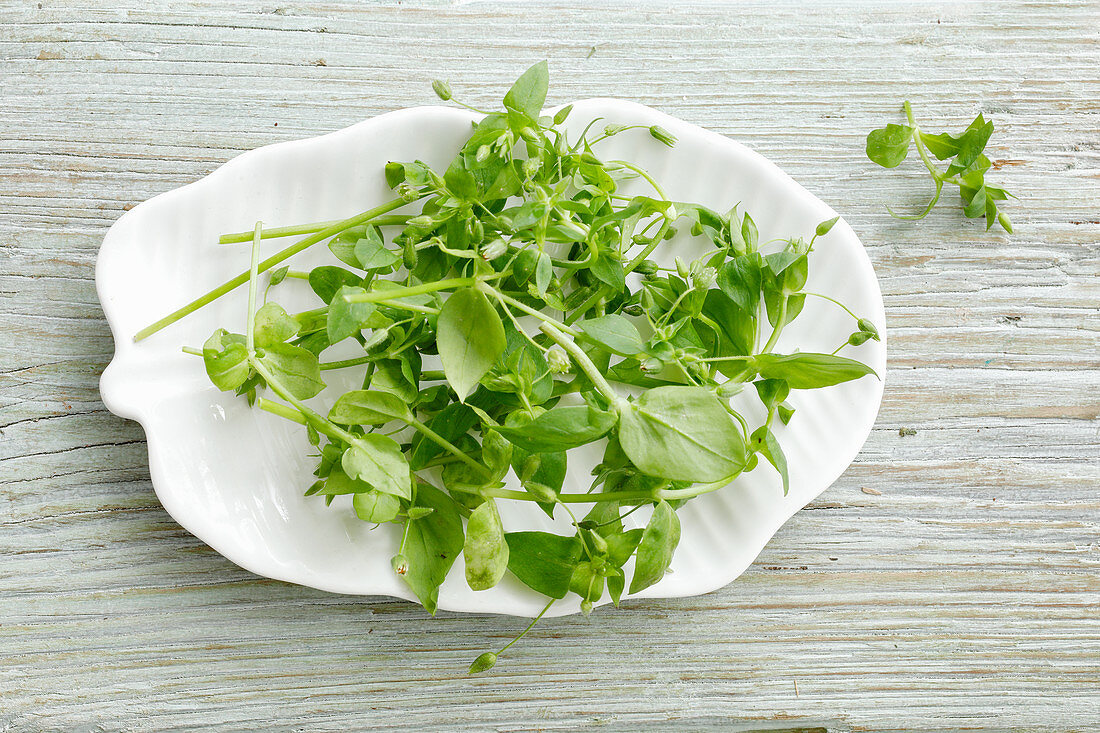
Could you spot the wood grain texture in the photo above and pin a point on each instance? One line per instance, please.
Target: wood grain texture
(964, 594)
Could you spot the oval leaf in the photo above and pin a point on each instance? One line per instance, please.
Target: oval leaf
(542, 561)
(683, 434)
(658, 544)
(810, 371)
(378, 460)
(486, 550)
(560, 429)
(470, 339)
(368, 407)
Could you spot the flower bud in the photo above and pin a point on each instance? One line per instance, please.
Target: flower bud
(682, 269)
(483, 153)
(633, 310)
(531, 167)
(859, 338)
(1004, 221)
(442, 90)
(407, 192)
(529, 135)
(704, 278)
(400, 564)
(419, 512)
(558, 361)
(662, 135)
(493, 249)
(421, 222)
(646, 267)
(613, 129)
(586, 607)
(651, 365)
(484, 662)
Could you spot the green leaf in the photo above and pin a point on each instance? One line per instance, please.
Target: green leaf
(615, 333)
(561, 428)
(826, 226)
(371, 252)
(658, 544)
(327, 279)
(376, 506)
(452, 422)
(226, 360)
(347, 319)
(338, 483)
(432, 544)
(609, 271)
(378, 460)
(942, 146)
(528, 94)
(765, 442)
(889, 145)
(683, 434)
(971, 144)
(470, 339)
(295, 368)
(739, 279)
(273, 325)
(460, 181)
(543, 562)
(486, 550)
(810, 371)
(369, 407)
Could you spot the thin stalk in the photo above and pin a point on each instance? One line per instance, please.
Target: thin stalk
(409, 306)
(297, 229)
(643, 173)
(345, 363)
(530, 626)
(446, 445)
(250, 323)
(527, 309)
(267, 264)
(375, 296)
(583, 362)
(320, 422)
(282, 411)
(192, 351)
(779, 323)
(832, 300)
(692, 491)
(630, 497)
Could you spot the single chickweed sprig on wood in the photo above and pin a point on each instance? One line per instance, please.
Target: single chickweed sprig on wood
(889, 146)
(498, 327)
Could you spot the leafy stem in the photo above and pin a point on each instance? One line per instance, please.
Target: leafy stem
(280, 256)
(590, 370)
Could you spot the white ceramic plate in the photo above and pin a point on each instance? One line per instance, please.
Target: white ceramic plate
(234, 476)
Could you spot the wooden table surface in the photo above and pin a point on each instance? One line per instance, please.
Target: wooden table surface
(949, 580)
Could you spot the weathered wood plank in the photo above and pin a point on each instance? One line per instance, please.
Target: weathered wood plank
(962, 594)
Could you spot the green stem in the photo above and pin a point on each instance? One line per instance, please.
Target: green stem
(409, 306)
(250, 323)
(530, 626)
(192, 351)
(641, 172)
(320, 422)
(832, 300)
(446, 445)
(630, 497)
(295, 230)
(583, 362)
(267, 264)
(375, 296)
(527, 309)
(297, 274)
(282, 411)
(693, 491)
(345, 363)
(779, 323)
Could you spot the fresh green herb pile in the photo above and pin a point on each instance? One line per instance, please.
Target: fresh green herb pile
(527, 273)
(888, 146)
